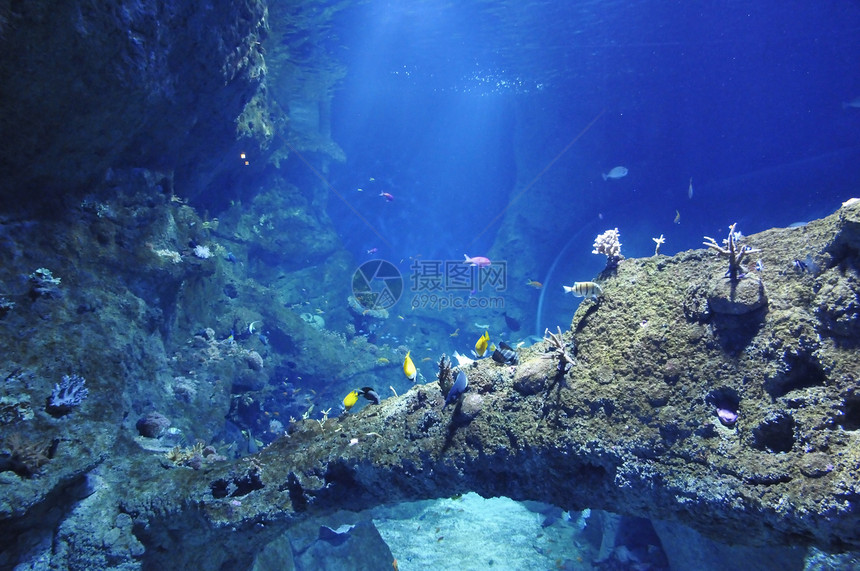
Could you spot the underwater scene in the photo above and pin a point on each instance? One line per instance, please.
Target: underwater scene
(428, 285)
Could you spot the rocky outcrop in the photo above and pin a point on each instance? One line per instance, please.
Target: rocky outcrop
(632, 427)
(90, 86)
(656, 402)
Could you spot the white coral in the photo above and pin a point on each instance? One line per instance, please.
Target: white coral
(202, 252)
(608, 244)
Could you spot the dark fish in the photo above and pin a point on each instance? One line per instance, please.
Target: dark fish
(811, 266)
(457, 389)
(370, 394)
(512, 323)
(506, 354)
(800, 266)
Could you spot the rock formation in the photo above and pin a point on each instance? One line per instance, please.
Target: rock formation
(632, 427)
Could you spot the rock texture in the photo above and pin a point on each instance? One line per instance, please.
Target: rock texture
(632, 427)
(90, 86)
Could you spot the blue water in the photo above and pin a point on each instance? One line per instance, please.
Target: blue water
(479, 127)
(440, 98)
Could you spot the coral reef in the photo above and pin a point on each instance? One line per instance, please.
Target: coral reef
(202, 252)
(689, 401)
(24, 457)
(356, 307)
(609, 245)
(734, 250)
(558, 350)
(445, 377)
(195, 456)
(152, 425)
(682, 384)
(313, 320)
(5, 306)
(624, 428)
(44, 284)
(67, 394)
(737, 292)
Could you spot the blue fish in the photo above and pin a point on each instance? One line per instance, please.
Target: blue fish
(231, 258)
(457, 389)
(759, 266)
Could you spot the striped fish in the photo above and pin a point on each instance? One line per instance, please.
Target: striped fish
(584, 289)
(506, 354)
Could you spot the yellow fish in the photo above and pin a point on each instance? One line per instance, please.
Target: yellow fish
(481, 345)
(409, 368)
(455, 334)
(534, 284)
(584, 289)
(382, 361)
(350, 400)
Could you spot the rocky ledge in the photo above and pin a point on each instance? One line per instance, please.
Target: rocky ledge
(743, 426)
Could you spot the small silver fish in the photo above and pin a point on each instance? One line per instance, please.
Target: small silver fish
(617, 172)
(584, 289)
(690, 190)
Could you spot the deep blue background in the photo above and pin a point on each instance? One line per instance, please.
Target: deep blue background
(746, 98)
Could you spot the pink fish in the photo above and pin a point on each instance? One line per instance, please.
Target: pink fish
(479, 261)
(387, 196)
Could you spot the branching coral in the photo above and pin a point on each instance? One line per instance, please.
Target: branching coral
(44, 284)
(608, 245)
(446, 374)
(27, 458)
(67, 394)
(559, 350)
(734, 251)
(194, 456)
(659, 241)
